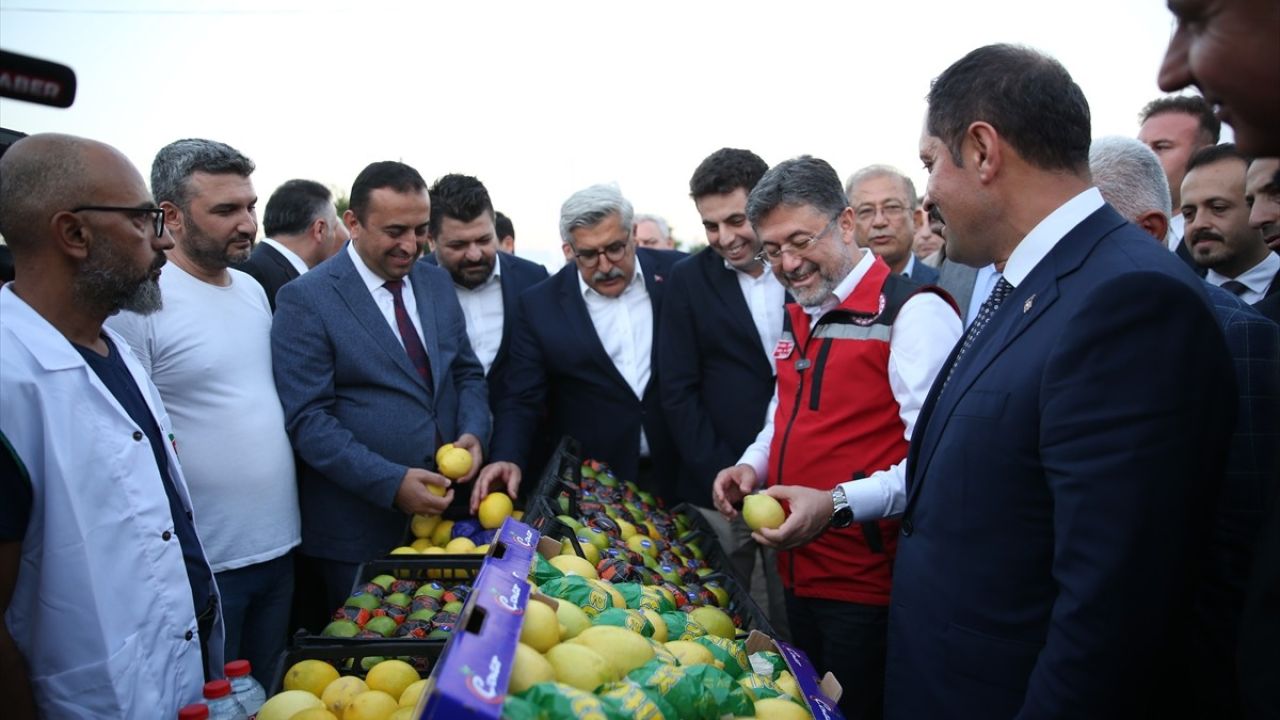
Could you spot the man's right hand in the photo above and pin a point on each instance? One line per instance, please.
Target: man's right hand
(414, 497)
(730, 486)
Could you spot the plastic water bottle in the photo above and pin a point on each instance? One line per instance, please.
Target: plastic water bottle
(194, 711)
(244, 688)
(217, 695)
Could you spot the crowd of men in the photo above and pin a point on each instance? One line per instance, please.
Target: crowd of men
(1026, 424)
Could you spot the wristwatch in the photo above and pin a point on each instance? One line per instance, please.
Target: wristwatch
(841, 513)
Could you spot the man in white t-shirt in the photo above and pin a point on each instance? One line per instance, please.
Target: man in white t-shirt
(209, 353)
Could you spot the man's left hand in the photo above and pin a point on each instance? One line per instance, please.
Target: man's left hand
(810, 513)
(471, 444)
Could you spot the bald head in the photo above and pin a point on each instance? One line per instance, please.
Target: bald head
(45, 174)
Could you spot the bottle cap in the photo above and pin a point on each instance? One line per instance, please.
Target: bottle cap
(217, 688)
(195, 711)
(238, 668)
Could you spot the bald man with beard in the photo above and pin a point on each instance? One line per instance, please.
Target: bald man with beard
(103, 581)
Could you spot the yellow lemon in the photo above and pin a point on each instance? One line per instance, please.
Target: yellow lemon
(529, 669)
(411, 694)
(371, 705)
(541, 627)
(494, 508)
(285, 705)
(315, 713)
(338, 695)
(421, 544)
(422, 525)
(404, 713)
(574, 565)
(453, 462)
(442, 533)
(405, 550)
(762, 511)
(779, 709)
(392, 677)
(310, 675)
(460, 545)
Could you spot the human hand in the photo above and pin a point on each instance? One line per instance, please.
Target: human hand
(810, 514)
(471, 444)
(730, 486)
(414, 497)
(496, 475)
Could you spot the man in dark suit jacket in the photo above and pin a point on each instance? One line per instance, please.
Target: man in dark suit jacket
(303, 230)
(375, 371)
(488, 283)
(721, 318)
(584, 350)
(1050, 539)
(888, 212)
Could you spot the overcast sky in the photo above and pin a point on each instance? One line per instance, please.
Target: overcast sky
(539, 99)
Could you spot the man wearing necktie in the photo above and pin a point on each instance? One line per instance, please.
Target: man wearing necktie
(375, 371)
(1050, 537)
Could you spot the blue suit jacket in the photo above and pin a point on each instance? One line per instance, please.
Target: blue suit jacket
(561, 376)
(716, 380)
(356, 409)
(517, 276)
(1055, 488)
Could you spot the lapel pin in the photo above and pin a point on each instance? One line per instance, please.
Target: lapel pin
(1026, 306)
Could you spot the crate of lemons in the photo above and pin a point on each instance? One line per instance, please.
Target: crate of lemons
(627, 652)
(314, 690)
(433, 535)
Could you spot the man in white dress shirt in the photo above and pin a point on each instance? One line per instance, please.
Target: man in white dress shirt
(303, 230)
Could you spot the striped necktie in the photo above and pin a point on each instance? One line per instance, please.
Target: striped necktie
(988, 308)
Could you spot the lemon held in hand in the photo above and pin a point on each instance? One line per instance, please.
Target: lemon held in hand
(762, 511)
(494, 508)
(453, 461)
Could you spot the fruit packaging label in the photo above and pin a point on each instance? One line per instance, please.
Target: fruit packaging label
(820, 695)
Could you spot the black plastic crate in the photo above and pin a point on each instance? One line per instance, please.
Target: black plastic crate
(420, 568)
(422, 654)
(562, 473)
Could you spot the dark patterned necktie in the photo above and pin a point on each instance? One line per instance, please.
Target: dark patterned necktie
(408, 334)
(1235, 287)
(987, 309)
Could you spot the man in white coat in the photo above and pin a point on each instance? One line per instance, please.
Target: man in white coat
(110, 608)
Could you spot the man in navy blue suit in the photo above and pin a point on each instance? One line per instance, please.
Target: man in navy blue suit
(582, 358)
(721, 318)
(375, 371)
(488, 284)
(888, 211)
(1069, 450)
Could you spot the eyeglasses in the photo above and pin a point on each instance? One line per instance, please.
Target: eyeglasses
(891, 211)
(614, 251)
(134, 213)
(773, 252)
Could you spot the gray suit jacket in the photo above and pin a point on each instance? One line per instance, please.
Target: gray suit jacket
(358, 413)
(958, 279)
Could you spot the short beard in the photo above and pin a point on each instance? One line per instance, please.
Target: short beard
(201, 248)
(101, 283)
(816, 296)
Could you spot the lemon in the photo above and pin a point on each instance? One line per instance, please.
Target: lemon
(285, 705)
(624, 649)
(453, 462)
(690, 653)
(411, 694)
(315, 713)
(338, 695)
(440, 453)
(310, 675)
(529, 669)
(405, 550)
(715, 621)
(422, 525)
(404, 713)
(391, 677)
(762, 511)
(442, 533)
(580, 666)
(574, 565)
(371, 705)
(541, 627)
(572, 618)
(779, 709)
(421, 544)
(460, 545)
(494, 508)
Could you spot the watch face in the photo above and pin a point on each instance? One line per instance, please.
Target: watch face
(842, 518)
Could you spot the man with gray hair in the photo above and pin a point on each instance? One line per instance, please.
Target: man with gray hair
(107, 605)
(653, 232)
(859, 351)
(209, 353)
(1130, 178)
(583, 350)
(887, 211)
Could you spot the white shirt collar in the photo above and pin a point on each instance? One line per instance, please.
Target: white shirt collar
(637, 280)
(747, 275)
(1177, 225)
(1044, 236)
(846, 286)
(297, 262)
(370, 278)
(1257, 278)
(911, 264)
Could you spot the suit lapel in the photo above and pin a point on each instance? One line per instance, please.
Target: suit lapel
(279, 260)
(509, 299)
(1026, 304)
(575, 311)
(350, 286)
(724, 285)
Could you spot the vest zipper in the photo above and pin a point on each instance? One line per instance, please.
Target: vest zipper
(801, 365)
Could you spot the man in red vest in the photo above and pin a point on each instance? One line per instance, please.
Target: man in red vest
(859, 351)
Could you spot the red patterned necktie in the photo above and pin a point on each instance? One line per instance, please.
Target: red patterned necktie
(408, 334)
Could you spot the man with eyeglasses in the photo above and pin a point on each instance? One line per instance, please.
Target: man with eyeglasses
(858, 354)
(106, 596)
(886, 213)
(209, 353)
(582, 359)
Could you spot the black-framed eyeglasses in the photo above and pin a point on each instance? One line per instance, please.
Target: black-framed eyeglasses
(615, 251)
(134, 213)
(773, 253)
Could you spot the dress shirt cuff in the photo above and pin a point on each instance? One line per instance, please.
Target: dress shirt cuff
(879, 496)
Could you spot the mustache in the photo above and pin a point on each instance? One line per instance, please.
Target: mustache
(613, 274)
(1205, 234)
(159, 262)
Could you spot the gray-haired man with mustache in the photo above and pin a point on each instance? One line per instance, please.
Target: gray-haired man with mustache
(209, 353)
(583, 349)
